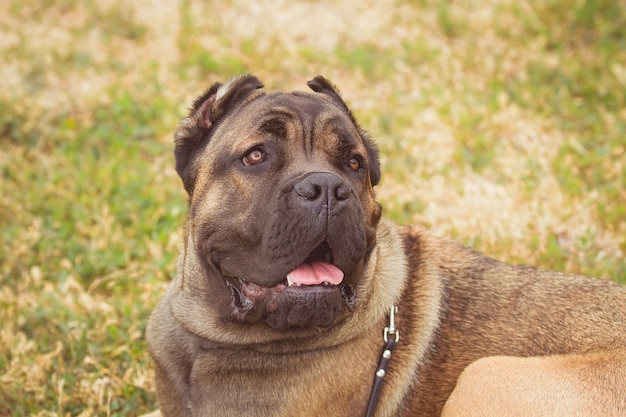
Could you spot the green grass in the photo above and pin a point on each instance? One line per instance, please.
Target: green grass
(502, 125)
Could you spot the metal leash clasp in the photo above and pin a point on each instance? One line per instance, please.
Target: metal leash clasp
(391, 329)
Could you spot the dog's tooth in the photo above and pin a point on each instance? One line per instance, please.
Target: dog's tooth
(290, 283)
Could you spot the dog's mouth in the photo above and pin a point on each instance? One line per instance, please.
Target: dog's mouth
(311, 295)
(317, 269)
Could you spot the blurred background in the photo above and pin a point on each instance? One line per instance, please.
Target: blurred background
(501, 124)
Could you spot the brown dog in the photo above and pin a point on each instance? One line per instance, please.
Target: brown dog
(288, 277)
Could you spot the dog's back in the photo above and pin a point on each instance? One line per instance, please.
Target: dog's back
(491, 309)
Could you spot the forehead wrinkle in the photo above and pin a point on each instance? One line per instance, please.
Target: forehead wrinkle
(280, 112)
(314, 115)
(298, 108)
(342, 129)
(304, 109)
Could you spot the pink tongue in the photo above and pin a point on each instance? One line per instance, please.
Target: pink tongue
(315, 273)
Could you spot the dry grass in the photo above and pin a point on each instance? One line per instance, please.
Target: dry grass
(500, 123)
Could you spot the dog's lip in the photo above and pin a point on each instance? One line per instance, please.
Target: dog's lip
(322, 253)
(241, 283)
(251, 302)
(253, 288)
(246, 294)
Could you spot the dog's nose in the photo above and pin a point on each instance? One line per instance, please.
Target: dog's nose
(321, 191)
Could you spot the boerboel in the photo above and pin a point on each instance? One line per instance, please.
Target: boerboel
(294, 299)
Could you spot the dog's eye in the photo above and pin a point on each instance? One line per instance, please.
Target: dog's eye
(354, 163)
(253, 157)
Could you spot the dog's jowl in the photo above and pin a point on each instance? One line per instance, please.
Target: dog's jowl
(289, 275)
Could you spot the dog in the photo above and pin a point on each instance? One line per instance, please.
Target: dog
(294, 296)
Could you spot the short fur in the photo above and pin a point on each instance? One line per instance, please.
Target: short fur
(230, 338)
(583, 385)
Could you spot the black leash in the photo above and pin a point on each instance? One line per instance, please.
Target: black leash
(391, 337)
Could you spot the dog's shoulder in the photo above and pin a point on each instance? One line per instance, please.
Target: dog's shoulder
(424, 248)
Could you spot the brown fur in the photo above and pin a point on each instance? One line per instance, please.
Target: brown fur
(572, 385)
(492, 308)
(455, 306)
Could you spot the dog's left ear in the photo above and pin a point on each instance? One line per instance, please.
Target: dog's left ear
(320, 84)
(195, 131)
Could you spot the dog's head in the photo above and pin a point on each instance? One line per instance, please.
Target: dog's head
(282, 216)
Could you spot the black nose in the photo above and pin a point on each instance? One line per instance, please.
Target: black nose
(322, 191)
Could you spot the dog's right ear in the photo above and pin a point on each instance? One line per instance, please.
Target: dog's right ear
(195, 131)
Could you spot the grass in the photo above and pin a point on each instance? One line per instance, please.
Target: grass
(501, 124)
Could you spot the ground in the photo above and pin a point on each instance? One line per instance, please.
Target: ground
(501, 124)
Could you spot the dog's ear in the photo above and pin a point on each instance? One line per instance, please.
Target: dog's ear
(321, 85)
(195, 130)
